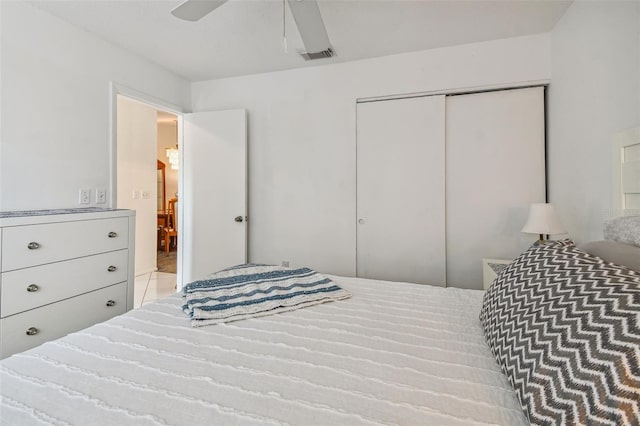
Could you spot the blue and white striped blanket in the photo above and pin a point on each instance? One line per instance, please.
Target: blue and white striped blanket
(247, 291)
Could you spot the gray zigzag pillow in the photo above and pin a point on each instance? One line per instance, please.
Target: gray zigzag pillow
(565, 328)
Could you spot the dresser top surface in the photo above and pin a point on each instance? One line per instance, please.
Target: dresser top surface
(54, 211)
(8, 218)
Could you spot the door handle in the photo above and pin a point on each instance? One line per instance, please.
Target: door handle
(238, 219)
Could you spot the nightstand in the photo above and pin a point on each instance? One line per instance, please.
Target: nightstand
(491, 268)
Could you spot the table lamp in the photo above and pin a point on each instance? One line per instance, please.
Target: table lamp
(543, 221)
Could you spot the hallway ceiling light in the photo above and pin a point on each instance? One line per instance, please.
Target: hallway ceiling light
(172, 155)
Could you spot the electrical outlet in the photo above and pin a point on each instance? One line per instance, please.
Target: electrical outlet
(285, 263)
(85, 196)
(101, 196)
(146, 195)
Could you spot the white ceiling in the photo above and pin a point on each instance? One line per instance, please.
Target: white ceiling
(245, 36)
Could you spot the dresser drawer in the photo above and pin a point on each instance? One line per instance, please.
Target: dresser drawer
(25, 289)
(25, 246)
(29, 329)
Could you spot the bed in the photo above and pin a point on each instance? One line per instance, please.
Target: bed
(555, 340)
(394, 353)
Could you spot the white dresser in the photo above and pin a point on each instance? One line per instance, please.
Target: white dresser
(62, 271)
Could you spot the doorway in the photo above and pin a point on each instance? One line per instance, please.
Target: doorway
(212, 187)
(147, 180)
(167, 192)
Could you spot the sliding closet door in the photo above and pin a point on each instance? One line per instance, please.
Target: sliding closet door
(400, 190)
(495, 169)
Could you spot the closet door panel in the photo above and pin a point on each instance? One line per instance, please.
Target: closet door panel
(400, 190)
(495, 168)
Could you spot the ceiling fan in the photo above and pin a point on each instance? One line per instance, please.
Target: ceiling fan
(305, 13)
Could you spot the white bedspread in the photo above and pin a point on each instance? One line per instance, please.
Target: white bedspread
(392, 354)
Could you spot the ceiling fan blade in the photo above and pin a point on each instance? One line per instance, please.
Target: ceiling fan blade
(193, 10)
(310, 25)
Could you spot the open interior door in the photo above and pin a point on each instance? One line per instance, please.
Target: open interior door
(214, 192)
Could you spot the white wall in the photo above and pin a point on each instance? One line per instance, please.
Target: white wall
(55, 106)
(302, 137)
(167, 138)
(594, 93)
(137, 144)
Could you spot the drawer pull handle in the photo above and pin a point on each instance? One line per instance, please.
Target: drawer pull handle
(111, 303)
(112, 268)
(32, 288)
(113, 234)
(32, 331)
(33, 245)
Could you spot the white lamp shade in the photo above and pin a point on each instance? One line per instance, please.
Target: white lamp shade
(543, 220)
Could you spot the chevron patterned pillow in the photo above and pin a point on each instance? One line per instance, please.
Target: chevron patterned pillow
(565, 328)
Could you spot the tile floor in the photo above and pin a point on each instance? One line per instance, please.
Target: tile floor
(153, 286)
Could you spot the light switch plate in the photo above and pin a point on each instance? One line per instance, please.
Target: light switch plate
(85, 196)
(101, 196)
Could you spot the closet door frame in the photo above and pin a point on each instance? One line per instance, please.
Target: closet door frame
(463, 91)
